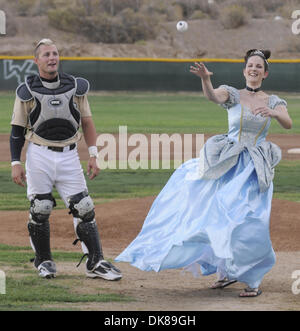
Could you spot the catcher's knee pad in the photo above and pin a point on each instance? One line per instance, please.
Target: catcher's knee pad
(41, 206)
(81, 206)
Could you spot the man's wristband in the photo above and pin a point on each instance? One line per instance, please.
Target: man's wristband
(15, 162)
(93, 151)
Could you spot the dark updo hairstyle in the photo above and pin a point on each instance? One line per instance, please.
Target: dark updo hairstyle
(264, 54)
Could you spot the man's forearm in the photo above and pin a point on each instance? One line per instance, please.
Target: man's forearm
(17, 140)
(89, 131)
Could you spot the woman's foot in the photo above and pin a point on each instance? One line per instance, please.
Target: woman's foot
(250, 292)
(222, 283)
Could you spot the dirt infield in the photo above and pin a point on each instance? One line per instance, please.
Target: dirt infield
(120, 221)
(170, 290)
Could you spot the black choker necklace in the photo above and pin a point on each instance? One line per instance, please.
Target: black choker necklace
(252, 89)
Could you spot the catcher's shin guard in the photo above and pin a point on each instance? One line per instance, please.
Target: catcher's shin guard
(87, 232)
(40, 241)
(82, 208)
(39, 227)
(96, 266)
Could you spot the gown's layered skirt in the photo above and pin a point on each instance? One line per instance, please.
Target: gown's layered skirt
(209, 225)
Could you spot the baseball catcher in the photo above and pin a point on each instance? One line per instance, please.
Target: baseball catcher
(48, 112)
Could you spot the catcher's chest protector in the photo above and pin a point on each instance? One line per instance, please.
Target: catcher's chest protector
(55, 116)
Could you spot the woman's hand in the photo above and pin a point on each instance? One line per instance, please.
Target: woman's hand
(200, 70)
(265, 112)
(219, 95)
(280, 113)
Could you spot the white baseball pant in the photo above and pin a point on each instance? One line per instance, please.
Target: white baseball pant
(46, 169)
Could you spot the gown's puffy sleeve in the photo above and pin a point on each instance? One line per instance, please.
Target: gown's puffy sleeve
(274, 101)
(234, 96)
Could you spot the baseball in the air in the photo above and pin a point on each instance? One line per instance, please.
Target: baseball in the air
(182, 26)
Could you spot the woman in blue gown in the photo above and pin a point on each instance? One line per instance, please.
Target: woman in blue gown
(213, 214)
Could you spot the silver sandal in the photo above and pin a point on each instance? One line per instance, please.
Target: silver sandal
(255, 292)
(223, 283)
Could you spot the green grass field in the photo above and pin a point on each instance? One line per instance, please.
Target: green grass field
(26, 291)
(156, 113)
(141, 113)
(120, 184)
(150, 113)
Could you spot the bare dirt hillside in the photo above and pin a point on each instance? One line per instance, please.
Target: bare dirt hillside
(205, 38)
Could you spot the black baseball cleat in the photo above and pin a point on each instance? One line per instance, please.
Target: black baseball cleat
(47, 269)
(104, 269)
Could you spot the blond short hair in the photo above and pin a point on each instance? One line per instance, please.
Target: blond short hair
(45, 41)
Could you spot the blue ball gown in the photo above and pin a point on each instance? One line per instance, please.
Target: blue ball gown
(213, 214)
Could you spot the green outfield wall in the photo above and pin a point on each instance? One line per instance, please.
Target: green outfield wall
(113, 74)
